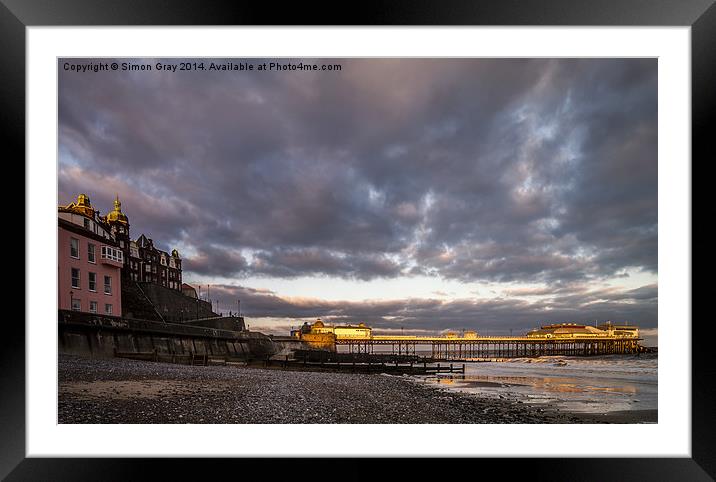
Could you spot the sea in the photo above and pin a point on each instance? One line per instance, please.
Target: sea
(598, 384)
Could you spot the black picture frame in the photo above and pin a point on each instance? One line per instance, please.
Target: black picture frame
(16, 15)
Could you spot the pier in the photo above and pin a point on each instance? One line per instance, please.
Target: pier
(442, 348)
(562, 339)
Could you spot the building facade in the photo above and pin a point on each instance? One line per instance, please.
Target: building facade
(360, 331)
(90, 261)
(189, 290)
(568, 330)
(142, 260)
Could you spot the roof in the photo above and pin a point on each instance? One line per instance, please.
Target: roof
(83, 206)
(567, 328)
(116, 215)
(79, 230)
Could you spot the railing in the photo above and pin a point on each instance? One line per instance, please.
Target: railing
(442, 339)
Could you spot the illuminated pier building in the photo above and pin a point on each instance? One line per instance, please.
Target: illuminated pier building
(554, 339)
(573, 330)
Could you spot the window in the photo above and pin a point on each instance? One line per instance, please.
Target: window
(76, 305)
(75, 248)
(93, 307)
(92, 281)
(87, 223)
(107, 285)
(112, 254)
(108, 309)
(76, 278)
(90, 253)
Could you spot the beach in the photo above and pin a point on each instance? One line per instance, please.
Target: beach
(121, 391)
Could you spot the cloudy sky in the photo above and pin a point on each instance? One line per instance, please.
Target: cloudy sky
(422, 194)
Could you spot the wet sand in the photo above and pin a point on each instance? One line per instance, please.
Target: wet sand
(128, 391)
(621, 416)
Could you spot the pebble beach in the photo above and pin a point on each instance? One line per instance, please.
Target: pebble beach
(122, 391)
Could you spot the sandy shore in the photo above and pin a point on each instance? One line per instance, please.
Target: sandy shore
(129, 391)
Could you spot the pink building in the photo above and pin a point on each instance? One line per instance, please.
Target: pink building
(89, 261)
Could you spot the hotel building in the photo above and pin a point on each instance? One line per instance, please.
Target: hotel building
(142, 260)
(90, 261)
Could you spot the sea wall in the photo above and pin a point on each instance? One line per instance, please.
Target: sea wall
(101, 336)
(230, 323)
(173, 305)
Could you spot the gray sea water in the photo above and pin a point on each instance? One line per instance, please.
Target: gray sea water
(597, 384)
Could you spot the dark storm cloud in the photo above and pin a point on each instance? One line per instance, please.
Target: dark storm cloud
(498, 314)
(312, 261)
(473, 169)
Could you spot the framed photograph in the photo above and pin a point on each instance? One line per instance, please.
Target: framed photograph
(417, 233)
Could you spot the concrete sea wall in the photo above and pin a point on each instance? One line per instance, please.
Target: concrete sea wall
(101, 336)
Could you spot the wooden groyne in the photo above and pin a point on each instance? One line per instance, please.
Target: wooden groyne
(288, 363)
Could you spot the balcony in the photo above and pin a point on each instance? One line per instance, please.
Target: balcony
(112, 256)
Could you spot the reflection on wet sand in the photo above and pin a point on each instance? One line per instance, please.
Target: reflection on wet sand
(594, 386)
(548, 384)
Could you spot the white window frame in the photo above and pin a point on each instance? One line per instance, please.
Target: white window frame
(89, 281)
(72, 304)
(78, 248)
(108, 308)
(72, 279)
(113, 254)
(107, 277)
(93, 260)
(91, 304)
